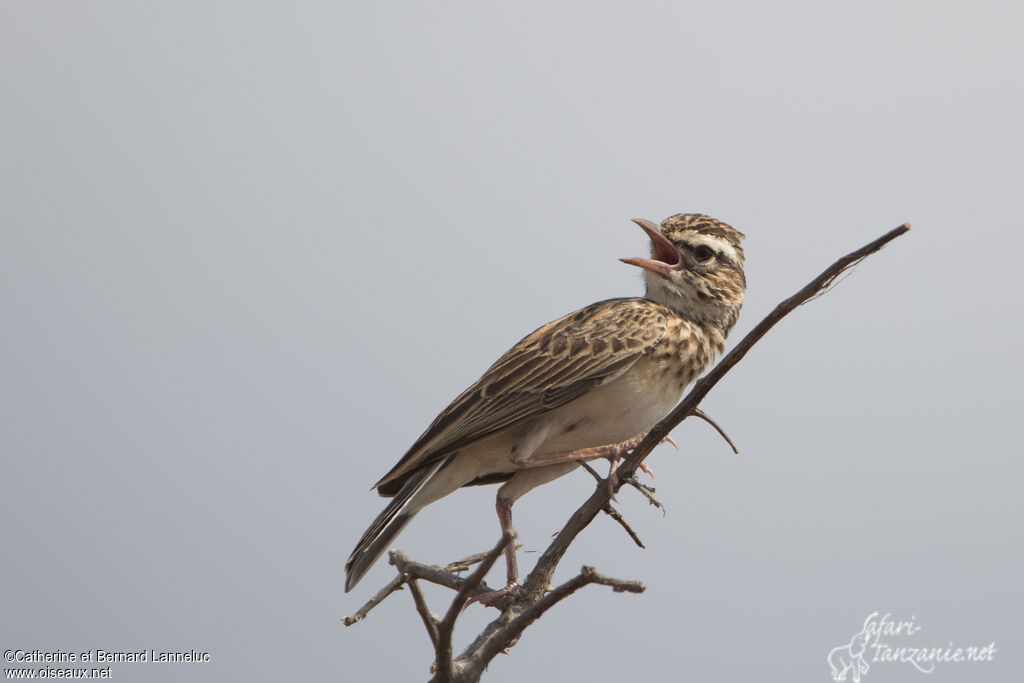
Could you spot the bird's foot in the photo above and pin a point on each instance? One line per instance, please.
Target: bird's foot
(617, 452)
(645, 468)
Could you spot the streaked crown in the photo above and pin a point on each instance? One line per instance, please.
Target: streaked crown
(674, 227)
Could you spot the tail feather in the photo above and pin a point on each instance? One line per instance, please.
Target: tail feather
(389, 523)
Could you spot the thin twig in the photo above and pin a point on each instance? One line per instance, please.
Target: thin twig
(394, 585)
(617, 585)
(646, 491)
(429, 620)
(707, 418)
(597, 477)
(467, 562)
(614, 514)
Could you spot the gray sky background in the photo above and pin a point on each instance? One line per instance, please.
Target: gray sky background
(249, 251)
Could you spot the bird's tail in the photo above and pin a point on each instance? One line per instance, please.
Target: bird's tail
(388, 524)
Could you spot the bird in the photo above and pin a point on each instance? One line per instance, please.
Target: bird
(587, 385)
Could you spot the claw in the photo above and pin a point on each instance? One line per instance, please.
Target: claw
(669, 439)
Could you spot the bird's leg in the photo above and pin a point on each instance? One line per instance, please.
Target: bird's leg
(504, 507)
(613, 452)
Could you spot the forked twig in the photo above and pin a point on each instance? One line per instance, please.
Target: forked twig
(612, 512)
(645, 491)
(445, 629)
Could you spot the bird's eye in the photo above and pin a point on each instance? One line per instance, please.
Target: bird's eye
(703, 253)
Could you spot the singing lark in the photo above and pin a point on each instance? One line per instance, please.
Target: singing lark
(588, 385)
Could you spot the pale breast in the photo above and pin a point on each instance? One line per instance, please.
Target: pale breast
(637, 400)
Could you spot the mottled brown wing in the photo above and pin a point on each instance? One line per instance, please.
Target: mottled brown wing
(548, 368)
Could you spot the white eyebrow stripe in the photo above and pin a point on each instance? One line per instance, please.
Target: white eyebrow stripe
(719, 245)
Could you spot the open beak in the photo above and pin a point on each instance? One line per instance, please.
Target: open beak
(665, 259)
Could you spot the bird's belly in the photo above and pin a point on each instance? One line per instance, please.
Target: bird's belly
(616, 411)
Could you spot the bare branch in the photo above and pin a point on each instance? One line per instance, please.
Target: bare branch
(614, 514)
(467, 562)
(617, 585)
(704, 416)
(395, 585)
(430, 621)
(611, 511)
(597, 477)
(431, 574)
(447, 625)
(646, 491)
(537, 608)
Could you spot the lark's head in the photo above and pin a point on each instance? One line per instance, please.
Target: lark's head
(696, 268)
